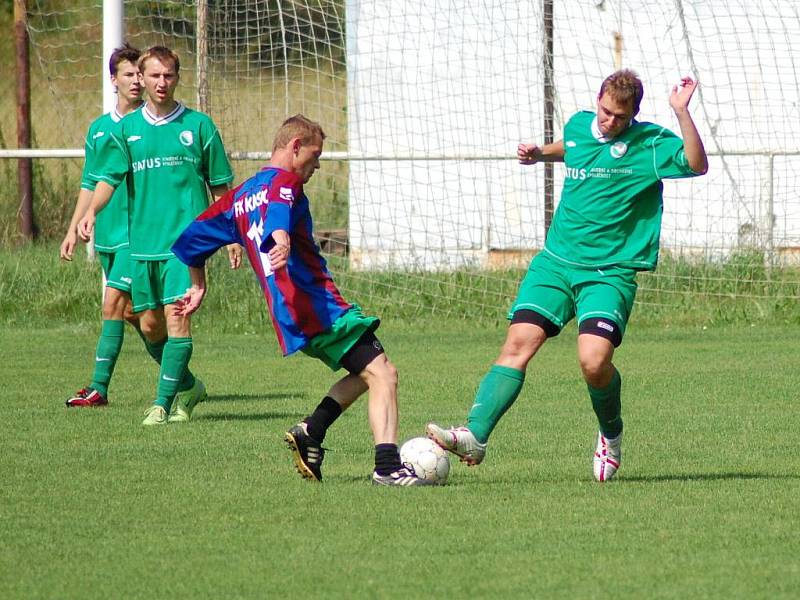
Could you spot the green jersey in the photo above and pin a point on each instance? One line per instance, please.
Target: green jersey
(611, 205)
(111, 228)
(168, 162)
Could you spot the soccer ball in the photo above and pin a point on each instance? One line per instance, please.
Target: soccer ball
(430, 462)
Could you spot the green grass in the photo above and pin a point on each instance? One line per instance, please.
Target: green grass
(96, 506)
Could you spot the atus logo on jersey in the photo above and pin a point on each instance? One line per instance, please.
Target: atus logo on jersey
(186, 138)
(99, 134)
(134, 138)
(619, 149)
(286, 194)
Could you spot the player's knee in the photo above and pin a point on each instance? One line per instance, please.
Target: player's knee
(114, 304)
(595, 361)
(154, 329)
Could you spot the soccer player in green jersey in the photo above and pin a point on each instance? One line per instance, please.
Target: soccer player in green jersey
(111, 233)
(169, 155)
(606, 228)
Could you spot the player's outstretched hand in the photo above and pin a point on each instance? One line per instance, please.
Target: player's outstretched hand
(528, 154)
(86, 226)
(235, 255)
(682, 93)
(278, 256)
(191, 301)
(68, 245)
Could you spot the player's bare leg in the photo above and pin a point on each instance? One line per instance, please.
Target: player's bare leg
(381, 378)
(595, 354)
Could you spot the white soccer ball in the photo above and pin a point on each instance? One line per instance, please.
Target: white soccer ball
(430, 462)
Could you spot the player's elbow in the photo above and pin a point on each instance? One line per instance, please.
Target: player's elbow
(700, 167)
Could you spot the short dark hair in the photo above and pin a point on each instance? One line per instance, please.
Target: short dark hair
(121, 54)
(162, 53)
(624, 86)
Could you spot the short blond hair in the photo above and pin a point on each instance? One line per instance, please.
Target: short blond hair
(163, 54)
(297, 126)
(624, 86)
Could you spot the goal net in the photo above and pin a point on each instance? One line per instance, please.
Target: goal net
(421, 204)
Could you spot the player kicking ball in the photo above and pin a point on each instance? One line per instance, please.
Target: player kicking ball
(269, 214)
(606, 229)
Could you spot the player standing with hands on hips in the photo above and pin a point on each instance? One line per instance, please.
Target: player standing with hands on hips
(606, 228)
(269, 214)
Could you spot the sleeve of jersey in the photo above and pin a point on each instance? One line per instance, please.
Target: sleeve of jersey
(669, 157)
(283, 190)
(87, 183)
(210, 231)
(218, 168)
(111, 160)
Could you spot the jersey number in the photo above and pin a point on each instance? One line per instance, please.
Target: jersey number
(256, 233)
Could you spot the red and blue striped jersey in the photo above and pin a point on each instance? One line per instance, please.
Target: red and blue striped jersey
(302, 298)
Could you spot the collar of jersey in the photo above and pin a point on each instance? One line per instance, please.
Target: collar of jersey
(598, 135)
(154, 120)
(116, 117)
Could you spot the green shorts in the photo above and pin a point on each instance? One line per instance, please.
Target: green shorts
(117, 269)
(331, 345)
(560, 293)
(158, 283)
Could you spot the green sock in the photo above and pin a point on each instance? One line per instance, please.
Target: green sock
(608, 406)
(106, 354)
(174, 363)
(497, 392)
(156, 350)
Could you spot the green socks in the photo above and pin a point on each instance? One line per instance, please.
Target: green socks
(174, 365)
(608, 406)
(156, 350)
(108, 348)
(497, 392)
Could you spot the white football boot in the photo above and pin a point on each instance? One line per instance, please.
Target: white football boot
(607, 457)
(458, 440)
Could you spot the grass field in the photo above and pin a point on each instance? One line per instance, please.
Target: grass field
(705, 506)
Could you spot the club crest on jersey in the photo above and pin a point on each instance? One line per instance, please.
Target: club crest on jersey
(186, 138)
(619, 149)
(286, 194)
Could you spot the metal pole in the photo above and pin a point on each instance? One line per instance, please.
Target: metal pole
(24, 165)
(202, 56)
(549, 103)
(113, 36)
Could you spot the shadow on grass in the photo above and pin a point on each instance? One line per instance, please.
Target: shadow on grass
(247, 397)
(292, 416)
(705, 477)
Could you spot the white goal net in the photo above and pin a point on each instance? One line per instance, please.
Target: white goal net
(421, 203)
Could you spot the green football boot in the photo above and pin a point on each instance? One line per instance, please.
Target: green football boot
(185, 402)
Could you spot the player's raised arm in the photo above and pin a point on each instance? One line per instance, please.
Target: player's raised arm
(692, 144)
(530, 154)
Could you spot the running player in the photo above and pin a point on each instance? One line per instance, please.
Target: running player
(269, 214)
(169, 154)
(606, 228)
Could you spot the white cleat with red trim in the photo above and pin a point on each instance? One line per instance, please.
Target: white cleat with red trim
(607, 457)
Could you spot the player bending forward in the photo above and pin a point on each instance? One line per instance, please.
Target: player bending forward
(606, 228)
(269, 214)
